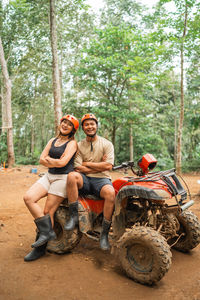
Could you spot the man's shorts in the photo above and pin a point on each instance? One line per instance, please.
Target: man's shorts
(55, 184)
(93, 185)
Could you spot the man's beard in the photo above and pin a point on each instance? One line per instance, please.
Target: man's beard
(91, 135)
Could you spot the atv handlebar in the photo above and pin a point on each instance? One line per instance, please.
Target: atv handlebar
(124, 165)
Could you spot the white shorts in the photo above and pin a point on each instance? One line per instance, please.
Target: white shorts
(55, 184)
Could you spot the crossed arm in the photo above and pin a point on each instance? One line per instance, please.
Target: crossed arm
(50, 162)
(94, 167)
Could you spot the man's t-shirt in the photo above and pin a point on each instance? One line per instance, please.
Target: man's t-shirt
(94, 152)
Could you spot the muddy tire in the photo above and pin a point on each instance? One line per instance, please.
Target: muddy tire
(66, 240)
(144, 254)
(190, 227)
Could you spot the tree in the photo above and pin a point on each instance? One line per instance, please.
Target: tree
(74, 29)
(179, 25)
(117, 12)
(115, 64)
(56, 77)
(8, 110)
(125, 70)
(181, 118)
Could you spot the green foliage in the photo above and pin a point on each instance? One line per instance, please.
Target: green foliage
(114, 67)
(122, 11)
(27, 160)
(191, 166)
(124, 70)
(3, 148)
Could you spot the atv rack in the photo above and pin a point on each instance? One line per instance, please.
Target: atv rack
(168, 176)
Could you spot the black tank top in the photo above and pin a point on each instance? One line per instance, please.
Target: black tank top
(56, 152)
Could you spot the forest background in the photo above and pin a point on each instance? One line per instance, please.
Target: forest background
(136, 68)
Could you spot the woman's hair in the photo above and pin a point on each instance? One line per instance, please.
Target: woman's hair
(70, 135)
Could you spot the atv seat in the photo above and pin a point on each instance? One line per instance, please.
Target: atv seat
(91, 197)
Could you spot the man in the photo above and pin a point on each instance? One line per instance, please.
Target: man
(94, 159)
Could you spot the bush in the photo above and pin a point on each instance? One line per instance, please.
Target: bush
(27, 160)
(3, 148)
(191, 166)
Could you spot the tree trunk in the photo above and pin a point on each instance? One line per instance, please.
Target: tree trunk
(33, 117)
(7, 98)
(3, 109)
(175, 140)
(56, 77)
(131, 143)
(175, 124)
(113, 134)
(32, 138)
(181, 118)
(131, 135)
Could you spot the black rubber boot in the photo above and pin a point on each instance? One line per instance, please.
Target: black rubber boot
(46, 232)
(73, 212)
(104, 243)
(36, 252)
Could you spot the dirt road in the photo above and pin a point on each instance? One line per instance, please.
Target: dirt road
(84, 274)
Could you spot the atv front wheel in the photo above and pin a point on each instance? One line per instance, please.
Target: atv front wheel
(144, 254)
(66, 240)
(189, 232)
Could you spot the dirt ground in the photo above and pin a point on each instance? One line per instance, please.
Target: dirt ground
(86, 273)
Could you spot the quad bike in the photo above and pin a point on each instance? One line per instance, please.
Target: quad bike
(149, 218)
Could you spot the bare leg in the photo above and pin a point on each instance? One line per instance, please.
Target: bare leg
(32, 196)
(74, 183)
(108, 193)
(51, 205)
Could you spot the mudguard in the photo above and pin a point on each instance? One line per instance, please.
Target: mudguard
(118, 220)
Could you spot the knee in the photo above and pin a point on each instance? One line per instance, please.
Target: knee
(110, 196)
(72, 177)
(27, 199)
(46, 211)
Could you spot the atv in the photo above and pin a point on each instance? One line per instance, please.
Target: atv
(150, 218)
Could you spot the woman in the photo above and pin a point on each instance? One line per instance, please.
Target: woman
(58, 156)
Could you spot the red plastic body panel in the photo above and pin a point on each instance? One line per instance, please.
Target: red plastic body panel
(146, 161)
(97, 205)
(154, 185)
(92, 205)
(120, 183)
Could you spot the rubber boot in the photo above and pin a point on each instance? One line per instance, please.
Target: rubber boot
(73, 212)
(104, 243)
(46, 232)
(36, 252)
